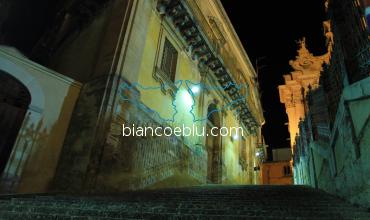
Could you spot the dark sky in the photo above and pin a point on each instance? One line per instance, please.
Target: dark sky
(269, 30)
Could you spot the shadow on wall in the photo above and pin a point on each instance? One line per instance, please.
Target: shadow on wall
(43, 159)
(31, 163)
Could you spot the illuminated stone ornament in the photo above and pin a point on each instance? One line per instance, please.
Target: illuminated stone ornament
(305, 75)
(202, 51)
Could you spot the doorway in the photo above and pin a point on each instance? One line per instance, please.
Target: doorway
(14, 101)
(213, 145)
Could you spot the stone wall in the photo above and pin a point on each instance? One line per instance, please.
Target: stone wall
(35, 154)
(332, 145)
(129, 163)
(350, 144)
(96, 158)
(141, 162)
(276, 173)
(340, 164)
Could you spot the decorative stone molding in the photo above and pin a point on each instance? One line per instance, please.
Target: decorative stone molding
(203, 52)
(217, 30)
(306, 62)
(305, 76)
(167, 86)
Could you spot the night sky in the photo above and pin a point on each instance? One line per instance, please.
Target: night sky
(269, 31)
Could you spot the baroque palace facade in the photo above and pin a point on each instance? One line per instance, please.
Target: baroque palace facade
(327, 100)
(98, 65)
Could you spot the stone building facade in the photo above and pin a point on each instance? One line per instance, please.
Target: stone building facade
(128, 62)
(331, 136)
(276, 173)
(279, 170)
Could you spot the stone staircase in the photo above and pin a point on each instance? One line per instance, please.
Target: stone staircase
(203, 202)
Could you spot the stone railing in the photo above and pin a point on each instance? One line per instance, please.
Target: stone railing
(157, 159)
(134, 162)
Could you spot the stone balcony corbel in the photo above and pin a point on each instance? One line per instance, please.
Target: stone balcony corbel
(204, 53)
(181, 20)
(198, 51)
(193, 40)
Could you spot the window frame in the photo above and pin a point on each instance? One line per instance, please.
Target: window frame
(168, 47)
(167, 82)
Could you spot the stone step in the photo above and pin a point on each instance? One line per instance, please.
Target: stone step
(8, 215)
(143, 214)
(182, 204)
(265, 216)
(205, 199)
(245, 211)
(213, 202)
(234, 202)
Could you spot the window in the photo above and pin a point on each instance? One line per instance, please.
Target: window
(287, 171)
(169, 60)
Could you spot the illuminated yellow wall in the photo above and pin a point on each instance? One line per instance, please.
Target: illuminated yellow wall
(160, 29)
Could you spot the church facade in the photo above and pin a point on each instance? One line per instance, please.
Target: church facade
(327, 101)
(101, 66)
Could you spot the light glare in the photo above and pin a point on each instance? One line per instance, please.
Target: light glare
(195, 89)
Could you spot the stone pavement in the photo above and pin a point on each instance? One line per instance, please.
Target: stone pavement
(202, 202)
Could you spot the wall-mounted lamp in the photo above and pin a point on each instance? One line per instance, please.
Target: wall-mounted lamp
(195, 89)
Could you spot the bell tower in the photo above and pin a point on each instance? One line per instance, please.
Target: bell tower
(305, 76)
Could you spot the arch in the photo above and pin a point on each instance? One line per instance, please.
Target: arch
(213, 145)
(7, 55)
(20, 69)
(213, 114)
(14, 102)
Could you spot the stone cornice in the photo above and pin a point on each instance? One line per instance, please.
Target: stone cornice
(203, 52)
